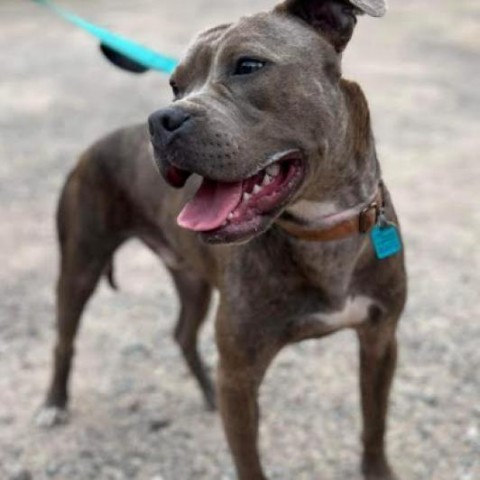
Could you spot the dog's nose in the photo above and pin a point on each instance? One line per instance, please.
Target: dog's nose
(167, 121)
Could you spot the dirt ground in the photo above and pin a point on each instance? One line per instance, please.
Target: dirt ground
(136, 414)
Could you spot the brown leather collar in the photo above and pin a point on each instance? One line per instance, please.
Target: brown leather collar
(359, 223)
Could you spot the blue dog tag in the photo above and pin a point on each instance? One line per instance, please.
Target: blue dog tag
(386, 240)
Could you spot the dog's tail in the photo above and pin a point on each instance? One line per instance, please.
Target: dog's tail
(109, 274)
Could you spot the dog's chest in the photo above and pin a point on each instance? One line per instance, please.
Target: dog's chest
(299, 285)
(318, 320)
(354, 312)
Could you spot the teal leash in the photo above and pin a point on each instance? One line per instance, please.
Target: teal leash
(121, 51)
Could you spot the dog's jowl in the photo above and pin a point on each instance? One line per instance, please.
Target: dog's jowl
(271, 192)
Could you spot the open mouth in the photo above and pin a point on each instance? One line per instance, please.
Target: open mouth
(229, 211)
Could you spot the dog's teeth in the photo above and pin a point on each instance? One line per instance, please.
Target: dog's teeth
(257, 189)
(273, 170)
(246, 197)
(267, 179)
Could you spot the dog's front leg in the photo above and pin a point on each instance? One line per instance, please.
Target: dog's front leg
(378, 356)
(240, 416)
(243, 363)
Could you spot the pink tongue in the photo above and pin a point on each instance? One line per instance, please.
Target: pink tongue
(210, 206)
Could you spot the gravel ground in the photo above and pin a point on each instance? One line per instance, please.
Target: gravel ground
(136, 413)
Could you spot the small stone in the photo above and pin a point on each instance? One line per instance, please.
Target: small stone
(20, 474)
(473, 433)
(86, 454)
(6, 420)
(52, 469)
(136, 350)
(134, 406)
(157, 425)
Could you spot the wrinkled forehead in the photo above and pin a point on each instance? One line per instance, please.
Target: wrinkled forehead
(273, 36)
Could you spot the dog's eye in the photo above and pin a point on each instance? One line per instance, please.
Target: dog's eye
(175, 89)
(246, 66)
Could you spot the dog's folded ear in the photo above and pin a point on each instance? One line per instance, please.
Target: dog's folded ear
(374, 8)
(334, 19)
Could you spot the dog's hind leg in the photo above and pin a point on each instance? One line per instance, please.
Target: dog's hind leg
(78, 279)
(378, 356)
(85, 252)
(194, 294)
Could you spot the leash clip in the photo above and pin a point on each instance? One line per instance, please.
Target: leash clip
(382, 221)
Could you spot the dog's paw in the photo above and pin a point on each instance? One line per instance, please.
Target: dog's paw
(49, 417)
(377, 468)
(380, 474)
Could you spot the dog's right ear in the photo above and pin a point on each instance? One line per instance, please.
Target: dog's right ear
(333, 19)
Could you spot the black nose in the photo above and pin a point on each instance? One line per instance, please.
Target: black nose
(167, 121)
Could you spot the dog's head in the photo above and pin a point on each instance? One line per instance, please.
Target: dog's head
(258, 113)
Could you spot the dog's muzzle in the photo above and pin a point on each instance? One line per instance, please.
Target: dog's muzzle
(165, 125)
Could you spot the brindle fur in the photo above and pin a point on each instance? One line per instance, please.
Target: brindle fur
(274, 289)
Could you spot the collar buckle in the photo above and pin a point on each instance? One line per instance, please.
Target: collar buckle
(369, 217)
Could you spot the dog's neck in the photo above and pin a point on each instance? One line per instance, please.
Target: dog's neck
(359, 187)
(307, 221)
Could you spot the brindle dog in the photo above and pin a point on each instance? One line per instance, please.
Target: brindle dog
(276, 155)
